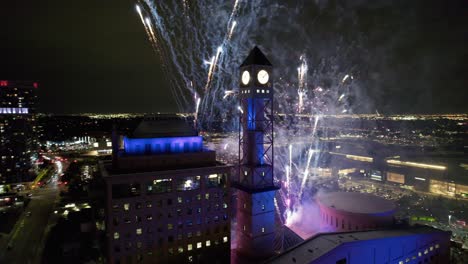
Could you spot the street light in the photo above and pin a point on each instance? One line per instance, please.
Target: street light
(450, 217)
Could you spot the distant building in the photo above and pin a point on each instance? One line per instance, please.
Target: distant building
(167, 197)
(18, 131)
(420, 244)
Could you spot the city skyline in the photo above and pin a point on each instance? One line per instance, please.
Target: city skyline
(85, 53)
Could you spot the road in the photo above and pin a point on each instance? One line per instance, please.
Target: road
(29, 234)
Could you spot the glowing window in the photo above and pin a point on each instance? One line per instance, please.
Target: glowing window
(199, 244)
(180, 250)
(258, 91)
(263, 207)
(116, 235)
(225, 205)
(431, 248)
(208, 243)
(263, 230)
(225, 239)
(170, 226)
(179, 199)
(138, 231)
(263, 91)
(207, 196)
(189, 247)
(126, 207)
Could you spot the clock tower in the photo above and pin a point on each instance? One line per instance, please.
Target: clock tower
(255, 184)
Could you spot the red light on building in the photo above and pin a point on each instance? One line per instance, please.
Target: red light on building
(3, 83)
(35, 85)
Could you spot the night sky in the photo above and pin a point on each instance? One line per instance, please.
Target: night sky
(94, 56)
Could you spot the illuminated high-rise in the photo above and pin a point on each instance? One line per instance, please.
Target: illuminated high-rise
(167, 197)
(18, 141)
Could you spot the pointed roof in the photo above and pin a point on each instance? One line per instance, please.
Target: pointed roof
(256, 57)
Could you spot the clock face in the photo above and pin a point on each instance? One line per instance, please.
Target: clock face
(245, 77)
(263, 76)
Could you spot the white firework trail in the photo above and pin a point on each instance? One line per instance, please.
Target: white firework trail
(231, 31)
(302, 72)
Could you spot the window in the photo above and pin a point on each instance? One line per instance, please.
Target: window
(189, 247)
(189, 235)
(148, 204)
(139, 244)
(198, 233)
(116, 235)
(138, 205)
(199, 244)
(170, 226)
(208, 243)
(198, 197)
(217, 180)
(225, 239)
(263, 207)
(159, 186)
(138, 231)
(127, 207)
(225, 205)
(171, 251)
(188, 183)
(115, 221)
(341, 261)
(207, 196)
(125, 190)
(179, 199)
(149, 217)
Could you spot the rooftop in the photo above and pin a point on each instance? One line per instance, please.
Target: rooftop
(358, 203)
(321, 244)
(170, 127)
(256, 57)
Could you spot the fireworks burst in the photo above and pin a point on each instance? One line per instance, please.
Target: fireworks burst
(202, 48)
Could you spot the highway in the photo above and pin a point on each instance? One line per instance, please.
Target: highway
(26, 240)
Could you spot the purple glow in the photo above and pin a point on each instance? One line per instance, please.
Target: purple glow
(12, 110)
(163, 145)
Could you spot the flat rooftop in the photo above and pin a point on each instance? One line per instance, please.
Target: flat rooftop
(354, 202)
(110, 171)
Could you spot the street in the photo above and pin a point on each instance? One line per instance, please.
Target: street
(26, 240)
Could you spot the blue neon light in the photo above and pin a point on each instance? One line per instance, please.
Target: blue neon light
(163, 145)
(250, 114)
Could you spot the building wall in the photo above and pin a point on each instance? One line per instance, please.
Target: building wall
(340, 221)
(175, 223)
